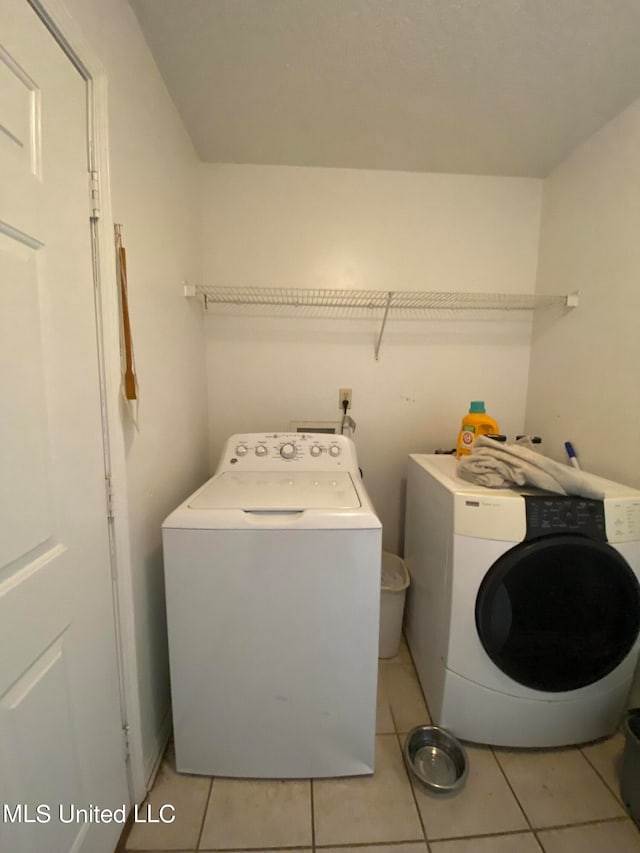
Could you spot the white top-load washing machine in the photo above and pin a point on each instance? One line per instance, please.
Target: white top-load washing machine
(524, 607)
(272, 574)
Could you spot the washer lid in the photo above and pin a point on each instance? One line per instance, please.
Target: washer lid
(278, 491)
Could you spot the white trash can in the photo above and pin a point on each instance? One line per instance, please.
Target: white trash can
(395, 580)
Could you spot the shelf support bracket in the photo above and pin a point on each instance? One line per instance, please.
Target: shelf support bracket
(384, 322)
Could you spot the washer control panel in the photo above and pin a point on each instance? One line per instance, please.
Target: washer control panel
(273, 451)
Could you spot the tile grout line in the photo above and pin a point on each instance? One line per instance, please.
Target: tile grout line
(413, 793)
(400, 744)
(313, 817)
(415, 670)
(516, 798)
(482, 835)
(357, 845)
(393, 720)
(204, 815)
(126, 832)
(513, 832)
(618, 795)
(616, 819)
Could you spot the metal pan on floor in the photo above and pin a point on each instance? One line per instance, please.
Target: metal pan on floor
(436, 758)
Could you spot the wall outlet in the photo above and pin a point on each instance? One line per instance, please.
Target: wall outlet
(344, 394)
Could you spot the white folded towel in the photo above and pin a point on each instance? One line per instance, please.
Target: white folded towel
(500, 465)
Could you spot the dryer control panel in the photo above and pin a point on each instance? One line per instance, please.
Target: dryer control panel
(623, 519)
(283, 450)
(547, 515)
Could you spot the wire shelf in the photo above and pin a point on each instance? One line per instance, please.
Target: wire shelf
(386, 302)
(372, 300)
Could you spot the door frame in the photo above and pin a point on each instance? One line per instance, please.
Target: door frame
(67, 33)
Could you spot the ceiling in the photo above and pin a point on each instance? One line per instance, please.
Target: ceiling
(498, 87)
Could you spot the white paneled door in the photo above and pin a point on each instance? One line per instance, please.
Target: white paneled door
(62, 756)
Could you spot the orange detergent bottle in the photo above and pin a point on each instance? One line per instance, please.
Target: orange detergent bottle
(476, 422)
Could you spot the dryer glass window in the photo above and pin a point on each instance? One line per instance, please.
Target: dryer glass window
(558, 613)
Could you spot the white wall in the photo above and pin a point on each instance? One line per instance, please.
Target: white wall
(332, 228)
(583, 383)
(153, 188)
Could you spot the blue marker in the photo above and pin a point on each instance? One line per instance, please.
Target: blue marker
(573, 459)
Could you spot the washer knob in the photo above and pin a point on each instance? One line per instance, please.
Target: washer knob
(261, 450)
(334, 450)
(241, 450)
(288, 450)
(316, 450)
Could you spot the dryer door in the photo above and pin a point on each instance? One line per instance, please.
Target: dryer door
(558, 613)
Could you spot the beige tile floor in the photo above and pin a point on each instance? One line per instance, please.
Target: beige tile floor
(514, 801)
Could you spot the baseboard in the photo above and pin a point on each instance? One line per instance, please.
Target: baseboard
(153, 765)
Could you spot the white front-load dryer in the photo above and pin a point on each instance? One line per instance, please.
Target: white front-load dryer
(524, 608)
(272, 575)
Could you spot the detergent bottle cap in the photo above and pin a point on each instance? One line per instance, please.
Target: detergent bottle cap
(477, 406)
